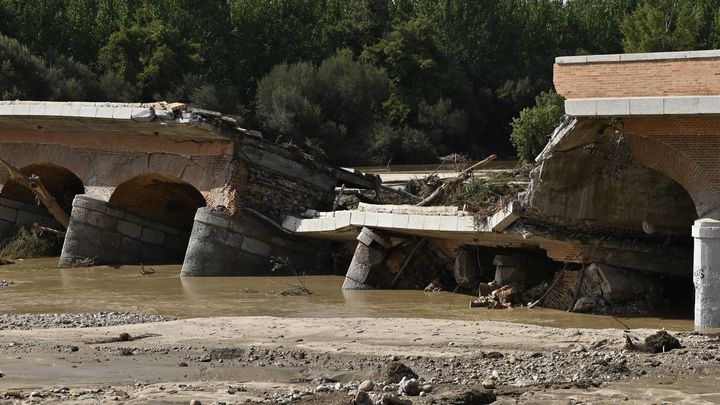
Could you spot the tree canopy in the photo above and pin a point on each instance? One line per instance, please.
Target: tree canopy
(350, 81)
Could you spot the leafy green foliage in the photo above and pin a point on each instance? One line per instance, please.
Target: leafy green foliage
(351, 81)
(662, 25)
(534, 126)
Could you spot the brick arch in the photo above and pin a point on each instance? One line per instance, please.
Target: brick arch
(676, 164)
(61, 182)
(160, 197)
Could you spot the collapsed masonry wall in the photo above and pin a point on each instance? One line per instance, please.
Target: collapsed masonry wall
(277, 182)
(110, 236)
(590, 180)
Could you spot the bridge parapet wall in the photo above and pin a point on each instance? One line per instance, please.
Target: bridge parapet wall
(658, 74)
(109, 235)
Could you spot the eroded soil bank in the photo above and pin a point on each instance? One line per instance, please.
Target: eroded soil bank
(322, 360)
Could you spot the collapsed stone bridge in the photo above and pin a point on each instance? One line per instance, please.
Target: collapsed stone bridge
(655, 120)
(162, 183)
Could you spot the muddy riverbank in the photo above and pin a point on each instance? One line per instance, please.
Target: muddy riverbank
(93, 334)
(323, 360)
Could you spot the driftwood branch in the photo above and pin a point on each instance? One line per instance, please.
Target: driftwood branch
(34, 184)
(554, 283)
(453, 182)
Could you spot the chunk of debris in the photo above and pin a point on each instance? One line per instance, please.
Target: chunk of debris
(659, 342)
(394, 372)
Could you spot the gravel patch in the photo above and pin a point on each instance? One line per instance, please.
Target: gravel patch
(88, 320)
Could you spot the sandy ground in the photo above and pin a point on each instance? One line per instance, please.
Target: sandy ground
(322, 360)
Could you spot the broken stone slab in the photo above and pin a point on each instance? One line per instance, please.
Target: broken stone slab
(602, 288)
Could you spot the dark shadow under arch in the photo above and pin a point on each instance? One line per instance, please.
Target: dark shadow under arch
(62, 184)
(159, 197)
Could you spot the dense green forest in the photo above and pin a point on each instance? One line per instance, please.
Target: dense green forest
(350, 81)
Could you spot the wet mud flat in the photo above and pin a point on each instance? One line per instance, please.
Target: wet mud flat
(325, 360)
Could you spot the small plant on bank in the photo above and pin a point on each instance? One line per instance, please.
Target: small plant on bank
(32, 242)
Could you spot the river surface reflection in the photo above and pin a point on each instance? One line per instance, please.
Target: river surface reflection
(42, 288)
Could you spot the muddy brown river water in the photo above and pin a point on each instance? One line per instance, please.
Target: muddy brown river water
(42, 288)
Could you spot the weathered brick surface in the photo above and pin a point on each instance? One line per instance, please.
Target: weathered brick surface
(683, 148)
(694, 77)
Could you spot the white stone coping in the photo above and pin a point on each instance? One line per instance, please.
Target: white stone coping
(410, 209)
(637, 57)
(632, 106)
(341, 221)
(121, 111)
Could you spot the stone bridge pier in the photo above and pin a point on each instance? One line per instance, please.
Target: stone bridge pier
(666, 108)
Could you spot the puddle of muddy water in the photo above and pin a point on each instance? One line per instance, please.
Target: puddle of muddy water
(40, 287)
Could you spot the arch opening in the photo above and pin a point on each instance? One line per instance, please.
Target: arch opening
(62, 184)
(161, 198)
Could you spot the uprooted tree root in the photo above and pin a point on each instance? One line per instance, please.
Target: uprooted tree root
(481, 196)
(32, 242)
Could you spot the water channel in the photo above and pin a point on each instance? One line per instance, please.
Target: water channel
(40, 287)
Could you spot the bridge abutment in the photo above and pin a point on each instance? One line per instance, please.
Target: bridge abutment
(706, 273)
(107, 235)
(221, 245)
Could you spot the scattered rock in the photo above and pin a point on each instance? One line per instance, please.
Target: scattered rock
(409, 387)
(661, 342)
(363, 398)
(394, 372)
(367, 386)
(195, 402)
(469, 397)
(488, 384)
(427, 388)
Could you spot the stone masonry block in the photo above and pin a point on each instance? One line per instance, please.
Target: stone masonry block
(342, 219)
(371, 219)
(646, 106)
(681, 105)
(357, 218)
(101, 220)
(8, 214)
(12, 203)
(111, 240)
(581, 107)
(24, 217)
(416, 222)
(448, 223)
(400, 221)
(709, 105)
(385, 220)
(207, 216)
(432, 222)
(256, 247)
(152, 236)
(90, 203)
(130, 229)
(613, 106)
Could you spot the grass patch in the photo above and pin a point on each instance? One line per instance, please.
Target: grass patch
(32, 242)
